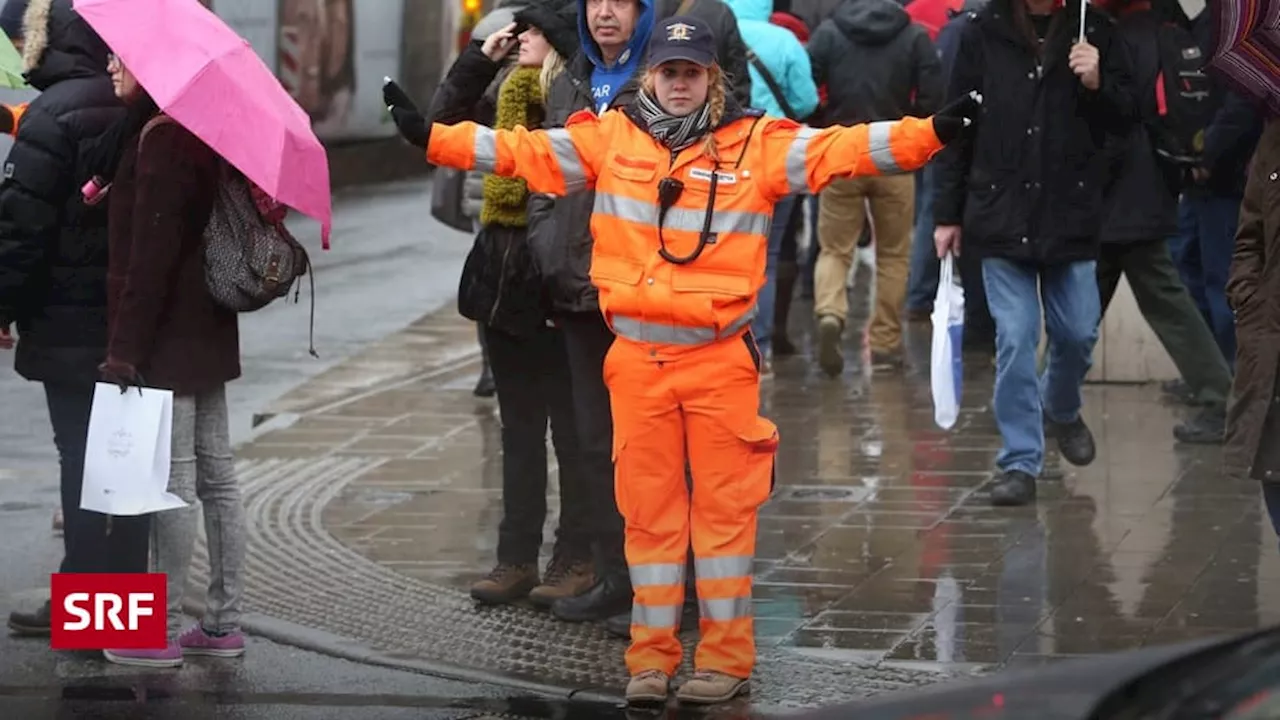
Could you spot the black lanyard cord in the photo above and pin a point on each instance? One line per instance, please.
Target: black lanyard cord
(703, 239)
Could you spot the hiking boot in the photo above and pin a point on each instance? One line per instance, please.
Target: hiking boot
(711, 687)
(197, 641)
(506, 583)
(1075, 441)
(168, 657)
(610, 596)
(829, 357)
(30, 624)
(1207, 427)
(1013, 489)
(564, 578)
(648, 686)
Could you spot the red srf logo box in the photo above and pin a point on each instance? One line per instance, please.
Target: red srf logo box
(100, 611)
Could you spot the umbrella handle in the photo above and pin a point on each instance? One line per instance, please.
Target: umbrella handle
(1084, 5)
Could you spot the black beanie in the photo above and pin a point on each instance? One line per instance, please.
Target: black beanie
(558, 21)
(11, 18)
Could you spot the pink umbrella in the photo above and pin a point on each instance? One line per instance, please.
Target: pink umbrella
(209, 79)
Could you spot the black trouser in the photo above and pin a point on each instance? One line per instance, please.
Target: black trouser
(90, 543)
(532, 377)
(1170, 311)
(979, 327)
(587, 340)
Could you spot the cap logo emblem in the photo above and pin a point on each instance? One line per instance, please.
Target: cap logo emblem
(679, 32)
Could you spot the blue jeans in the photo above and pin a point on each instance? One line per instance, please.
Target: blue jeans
(762, 326)
(1202, 251)
(1072, 310)
(922, 288)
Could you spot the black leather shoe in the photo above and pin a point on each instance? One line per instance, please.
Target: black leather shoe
(1013, 489)
(31, 624)
(1075, 442)
(609, 597)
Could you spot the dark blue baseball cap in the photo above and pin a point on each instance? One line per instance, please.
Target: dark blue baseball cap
(682, 38)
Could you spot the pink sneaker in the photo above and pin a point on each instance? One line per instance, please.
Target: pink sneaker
(170, 657)
(196, 641)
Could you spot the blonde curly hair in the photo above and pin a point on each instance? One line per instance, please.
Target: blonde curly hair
(717, 96)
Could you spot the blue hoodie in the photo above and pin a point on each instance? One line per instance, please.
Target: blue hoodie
(606, 80)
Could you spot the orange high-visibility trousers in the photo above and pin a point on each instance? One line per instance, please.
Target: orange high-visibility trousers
(705, 401)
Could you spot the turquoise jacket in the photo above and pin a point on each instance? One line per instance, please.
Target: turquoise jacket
(781, 53)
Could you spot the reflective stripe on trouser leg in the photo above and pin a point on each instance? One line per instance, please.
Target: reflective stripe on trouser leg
(649, 485)
(731, 450)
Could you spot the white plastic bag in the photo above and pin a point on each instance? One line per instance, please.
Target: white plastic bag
(126, 455)
(946, 366)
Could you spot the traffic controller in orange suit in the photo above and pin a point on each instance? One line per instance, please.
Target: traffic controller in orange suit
(679, 255)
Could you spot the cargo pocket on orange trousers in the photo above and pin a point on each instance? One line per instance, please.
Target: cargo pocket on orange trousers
(760, 438)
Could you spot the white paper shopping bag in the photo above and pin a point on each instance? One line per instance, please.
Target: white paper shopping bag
(126, 459)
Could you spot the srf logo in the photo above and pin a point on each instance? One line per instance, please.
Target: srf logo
(96, 611)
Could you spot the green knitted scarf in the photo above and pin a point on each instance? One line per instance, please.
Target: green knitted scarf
(519, 105)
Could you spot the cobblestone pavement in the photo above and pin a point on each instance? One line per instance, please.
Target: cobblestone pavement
(880, 564)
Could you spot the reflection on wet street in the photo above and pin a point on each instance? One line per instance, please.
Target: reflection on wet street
(881, 565)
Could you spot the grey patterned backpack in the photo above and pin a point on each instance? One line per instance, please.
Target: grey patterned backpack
(250, 257)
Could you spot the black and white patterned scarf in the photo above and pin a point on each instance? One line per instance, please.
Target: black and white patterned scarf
(677, 133)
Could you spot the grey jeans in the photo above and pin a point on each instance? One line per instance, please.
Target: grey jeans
(202, 467)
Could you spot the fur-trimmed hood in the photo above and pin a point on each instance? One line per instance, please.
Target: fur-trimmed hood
(59, 44)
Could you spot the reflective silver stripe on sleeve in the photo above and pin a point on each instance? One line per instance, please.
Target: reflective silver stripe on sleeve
(575, 178)
(657, 574)
(725, 609)
(797, 167)
(881, 149)
(723, 568)
(655, 616)
(486, 150)
(659, 333)
(722, 221)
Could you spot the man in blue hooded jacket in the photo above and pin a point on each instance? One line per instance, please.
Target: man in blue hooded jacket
(604, 75)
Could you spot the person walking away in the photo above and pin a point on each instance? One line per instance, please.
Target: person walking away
(167, 332)
(1031, 210)
(922, 281)
(613, 36)
(781, 85)
(53, 267)
(1141, 200)
(877, 66)
(684, 372)
(500, 288)
(1253, 420)
(1210, 207)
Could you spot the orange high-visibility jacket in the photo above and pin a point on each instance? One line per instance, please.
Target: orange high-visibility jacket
(762, 159)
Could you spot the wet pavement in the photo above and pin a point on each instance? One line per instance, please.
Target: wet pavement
(880, 564)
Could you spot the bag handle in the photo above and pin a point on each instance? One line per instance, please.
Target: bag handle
(769, 80)
(946, 276)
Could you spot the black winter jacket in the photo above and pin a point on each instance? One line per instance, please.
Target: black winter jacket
(1233, 134)
(1027, 183)
(53, 247)
(559, 229)
(1141, 204)
(500, 284)
(876, 64)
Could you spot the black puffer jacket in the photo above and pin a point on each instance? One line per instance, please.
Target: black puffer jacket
(53, 247)
(1141, 203)
(559, 228)
(500, 284)
(1027, 184)
(876, 64)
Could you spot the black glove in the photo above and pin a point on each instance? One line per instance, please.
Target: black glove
(409, 121)
(952, 120)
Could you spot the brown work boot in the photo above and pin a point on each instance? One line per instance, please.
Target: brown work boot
(829, 357)
(506, 583)
(648, 686)
(564, 578)
(711, 687)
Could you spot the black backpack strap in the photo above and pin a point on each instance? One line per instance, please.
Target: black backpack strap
(774, 88)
